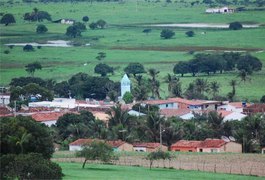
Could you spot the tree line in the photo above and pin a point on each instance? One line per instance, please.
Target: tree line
(213, 63)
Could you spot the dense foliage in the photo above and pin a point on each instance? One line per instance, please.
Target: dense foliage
(28, 166)
(24, 135)
(7, 19)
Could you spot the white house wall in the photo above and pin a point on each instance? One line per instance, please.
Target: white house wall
(75, 148)
(234, 116)
(139, 149)
(168, 106)
(49, 123)
(187, 116)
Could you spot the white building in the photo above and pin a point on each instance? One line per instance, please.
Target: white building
(222, 10)
(4, 99)
(125, 85)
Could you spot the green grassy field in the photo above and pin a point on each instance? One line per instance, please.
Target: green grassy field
(124, 42)
(96, 171)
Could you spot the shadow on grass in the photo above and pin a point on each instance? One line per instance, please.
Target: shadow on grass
(99, 169)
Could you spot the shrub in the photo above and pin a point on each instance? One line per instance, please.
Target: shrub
(190, 33)
(28, 48)
(6, 51)
(167, 34)
(128, 97)
(41, 29)
(29, 166)
(235, 26)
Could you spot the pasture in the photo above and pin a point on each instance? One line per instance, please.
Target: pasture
(123, 41)
(96, 171)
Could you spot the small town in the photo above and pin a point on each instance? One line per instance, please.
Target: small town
(132, 89)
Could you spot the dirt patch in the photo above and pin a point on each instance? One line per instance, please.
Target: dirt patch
(187, 48)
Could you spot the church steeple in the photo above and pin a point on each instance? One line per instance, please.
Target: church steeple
(125, 85)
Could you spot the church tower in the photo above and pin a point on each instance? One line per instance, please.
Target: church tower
(125, 85)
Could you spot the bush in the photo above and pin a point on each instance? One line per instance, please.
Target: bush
(167, 34)
(41, 29)
(128, 97)
(28, 48)
(29, 166)
(93, 25)
(190, 33)
(235, 26)
(6, 51)
(85, 18)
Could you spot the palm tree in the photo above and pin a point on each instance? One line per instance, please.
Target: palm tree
(214, 86)
(20, 141)
(233, 83)
(201, 85)
(174, 85)
(244, 76)
(152, 130)
(155, 85)
(118, 116)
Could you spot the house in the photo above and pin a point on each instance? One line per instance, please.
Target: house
(182, 113)
(230, 115)
(233, 106)
(263, 150)
(4, 99)
(219, 145)
(148, 147)
(47, 118)
(196, 104)
(162, 104)
(254, 108)
(67, 21)
(185, 146)
(116, 145)
(120, 146)
(223, 10)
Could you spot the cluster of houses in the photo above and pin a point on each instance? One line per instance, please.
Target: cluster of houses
(48, 112)
(208, 145)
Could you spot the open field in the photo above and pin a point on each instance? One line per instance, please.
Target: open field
(124, 42)
(230, 163)
(96, 171)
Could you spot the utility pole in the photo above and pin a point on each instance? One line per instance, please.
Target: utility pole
(15, 109)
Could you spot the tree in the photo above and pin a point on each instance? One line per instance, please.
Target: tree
(249, 64)
(7, 19)
(97, 151)
(262, 99)
(190, 33)
(101, 56)
(37, 15)
(73, 31)
(174, 85)
(23, 134)
(181, 68)
(214, 86)
(167, 34)
(101, 24)
(23, 81)
(134, 68)
(85, 19)
(32, 67)
(155, 85)
(147, 31)
(80, 26)
(128, 97)
(29, 166)
(244, 76)
(41, 29)
(156, 155)
(103, 69)
(28, 48)
(232, 94)
(235, 26)
(93, 25)
(201, 85)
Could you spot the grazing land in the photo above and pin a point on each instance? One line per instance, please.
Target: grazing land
(244, 164)
(123, 41)
(96, 171)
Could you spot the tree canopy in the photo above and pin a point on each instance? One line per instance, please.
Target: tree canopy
(134, 68)
(41, 29)
(103, 69)
(7, 19)
(37, 15)
(167, 34)
(235, 26)
(24, 135)
(32, 67)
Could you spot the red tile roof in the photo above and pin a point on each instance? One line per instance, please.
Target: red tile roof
(147, 145)
(48, 116)
(193, 102)
(238, 104)
(159, 101)
(115, 144)
(80, 142)
(224, 113)
(212, 143)
(186, 144)
(174, 112)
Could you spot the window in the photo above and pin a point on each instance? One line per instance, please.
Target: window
(190, 150)
(201, 150)
(166, 105)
